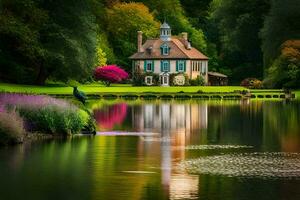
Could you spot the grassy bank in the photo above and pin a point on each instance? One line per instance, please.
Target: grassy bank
(21, 114)
(115, 88)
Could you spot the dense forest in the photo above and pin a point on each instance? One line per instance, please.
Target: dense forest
(66, 39)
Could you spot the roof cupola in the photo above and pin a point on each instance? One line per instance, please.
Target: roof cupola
(165, 32)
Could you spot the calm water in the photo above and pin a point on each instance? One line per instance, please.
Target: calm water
(156, 165)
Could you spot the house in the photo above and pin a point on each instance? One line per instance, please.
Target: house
(169, 55)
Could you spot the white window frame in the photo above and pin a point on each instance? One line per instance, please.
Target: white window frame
(149, 80)
(149, 63)
(181, 65)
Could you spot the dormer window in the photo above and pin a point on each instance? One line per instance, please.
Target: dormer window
(165, 49)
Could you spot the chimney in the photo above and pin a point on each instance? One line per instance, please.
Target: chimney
(185, 36)
(140, 41)
(186, 43)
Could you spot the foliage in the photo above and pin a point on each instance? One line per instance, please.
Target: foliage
(11, 128)
(285, 70)
(46, 114)
(100, 57)
(199, 81)
(172, 11)
(281, 24)
(138, 79)
(46, 39)
(21, 22)
(123, 22)
(173, 82)
(110, 74)
(251, 83)
(239, 23)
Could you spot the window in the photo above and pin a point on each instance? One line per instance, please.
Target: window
(165, 66)
(149, 66)
(181, 66)
(165, 49)
(148, 80)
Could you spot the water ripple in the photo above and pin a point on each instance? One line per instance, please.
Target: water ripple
(264, 165)
(211, 147)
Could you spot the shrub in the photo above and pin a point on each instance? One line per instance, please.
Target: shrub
(139, 78)
(199, 81)
(46, 114)
(110, 74)
(251, 83)
(11, 128)
(174, 82)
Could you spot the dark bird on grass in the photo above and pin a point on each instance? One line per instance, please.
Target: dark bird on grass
(79, 95)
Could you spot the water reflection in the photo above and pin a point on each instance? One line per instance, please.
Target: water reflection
(95, 167)
(110, 116)
(265, 126)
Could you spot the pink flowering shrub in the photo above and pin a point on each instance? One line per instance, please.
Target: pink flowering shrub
(110, 74)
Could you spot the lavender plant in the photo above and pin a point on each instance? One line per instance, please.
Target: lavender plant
(46, 114)
(11, 127)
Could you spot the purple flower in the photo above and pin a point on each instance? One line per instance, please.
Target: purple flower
(32, 101)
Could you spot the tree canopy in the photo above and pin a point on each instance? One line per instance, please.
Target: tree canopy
(61, 40)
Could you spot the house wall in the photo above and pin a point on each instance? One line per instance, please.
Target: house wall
(193, 67)
(198, 66)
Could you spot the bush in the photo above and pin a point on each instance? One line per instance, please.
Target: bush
(251, 83)
(11, 128)
(199, 81)
(110, 74)
(46, 114)
(139, 78)
(174, 82)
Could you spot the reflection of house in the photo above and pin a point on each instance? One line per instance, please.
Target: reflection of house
(166, 55)
(170, 119)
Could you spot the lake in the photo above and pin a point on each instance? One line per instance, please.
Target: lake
(174, 150)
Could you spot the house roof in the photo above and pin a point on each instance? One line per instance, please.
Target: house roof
(178, 50)
(217, 74)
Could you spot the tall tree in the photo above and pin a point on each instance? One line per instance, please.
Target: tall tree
(282, 24)
(239, 24)
(123, 21)
(42, 39)
(70, 40)
(172, 11)
(20, 49)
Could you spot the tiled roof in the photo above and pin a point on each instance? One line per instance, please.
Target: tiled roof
(177, 50)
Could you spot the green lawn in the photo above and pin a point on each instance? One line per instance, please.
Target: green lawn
(297, 92)
(115, 88)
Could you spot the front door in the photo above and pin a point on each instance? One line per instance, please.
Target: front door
(165, 80)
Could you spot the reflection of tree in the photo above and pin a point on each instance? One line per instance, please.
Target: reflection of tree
(110, 116)
(281, 125)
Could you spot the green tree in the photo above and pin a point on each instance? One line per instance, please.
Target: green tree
(172, 11)
(46, 39)
(70, 40)
(282, 24)
(285, 70)
(20, 50)
(123, 22)
(239, 24)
